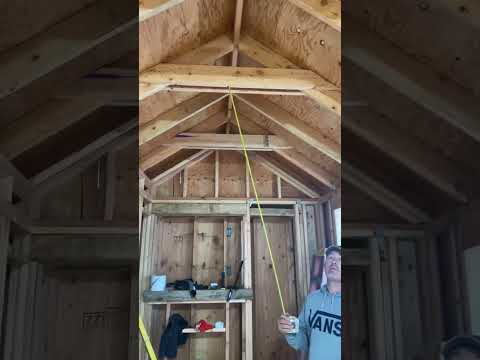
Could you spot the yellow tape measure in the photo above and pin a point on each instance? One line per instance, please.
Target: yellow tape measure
(146, 340)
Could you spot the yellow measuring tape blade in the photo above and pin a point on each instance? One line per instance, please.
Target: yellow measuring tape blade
(146, 340)
(247, 161)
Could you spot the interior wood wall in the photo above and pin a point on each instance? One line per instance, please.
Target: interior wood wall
(201, 180)
(88, 314)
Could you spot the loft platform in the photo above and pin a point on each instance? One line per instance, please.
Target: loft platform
(202, 297)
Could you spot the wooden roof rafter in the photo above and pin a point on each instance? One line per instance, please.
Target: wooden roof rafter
(405, 149)
(150, 8)
(182, 165)
(328, 12)
(384, 196)
(412, 79)
(43, 57)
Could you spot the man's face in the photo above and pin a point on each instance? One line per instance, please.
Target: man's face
(333, 266)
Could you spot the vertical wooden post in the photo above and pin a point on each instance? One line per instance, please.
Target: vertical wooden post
(20, 316)
(435, 295)
(377, 299)
(217, 173)
(6, 188)
(306, 247)
(227, 331)
(141, 187)
(247, 182)
(185, 182)
(395, 286)
(38, 349)
(133, 330)
(300, 255)
(32, 269)
(279, 187)
(13, 298)
(110, 182)
(247, 307)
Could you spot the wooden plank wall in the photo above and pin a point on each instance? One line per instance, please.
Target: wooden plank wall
(232, 184)
(268, 343)
(90, 319)
(194, 248)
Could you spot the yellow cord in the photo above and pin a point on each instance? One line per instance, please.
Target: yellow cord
(247, 161)
(146, 340)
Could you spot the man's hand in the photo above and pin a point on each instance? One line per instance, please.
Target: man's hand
(284, 325)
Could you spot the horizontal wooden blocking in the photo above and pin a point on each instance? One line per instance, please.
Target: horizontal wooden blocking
(203, 296)
(199, 209)
(180, 118)
(228, 142)
(163, 75)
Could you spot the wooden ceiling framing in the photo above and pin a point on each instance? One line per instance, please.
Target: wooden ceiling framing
(59, 114)
(286, 79)
(184, 81)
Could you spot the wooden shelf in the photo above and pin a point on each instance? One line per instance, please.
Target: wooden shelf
(203, 297)
(195, 331)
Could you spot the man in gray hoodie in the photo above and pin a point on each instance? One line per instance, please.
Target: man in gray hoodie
(320, 321)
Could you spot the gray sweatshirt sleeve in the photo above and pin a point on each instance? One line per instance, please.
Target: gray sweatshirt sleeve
(299, 341)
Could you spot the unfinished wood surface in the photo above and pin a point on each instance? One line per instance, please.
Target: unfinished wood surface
(309, 151)
(149, 8)
(201, 181)
(286, 177)
(311, 168)
(190, 161)
(182, 28)
(297, 36)
(161, 76)
(84, 152)
(97, 301)
(413, 79)
(44, 122)
(182, 117)
(355, 322)
(422, 41)
(269, 344)
(206, 54)
(328, 12)
(208, 258)
(42, 54)
(398, 144)
(376, 300)
(6, 186)
(21, 186)
(384, 196)
(228, 142)
(294, 126)
(172, 257)
(197, 209)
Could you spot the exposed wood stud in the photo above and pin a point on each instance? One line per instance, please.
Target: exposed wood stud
(110, 182)
(279, 187)
(217, 173)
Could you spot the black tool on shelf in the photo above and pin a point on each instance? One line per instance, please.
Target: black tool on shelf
(235, 284)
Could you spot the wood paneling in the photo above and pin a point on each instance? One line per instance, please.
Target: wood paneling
(269, 343)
